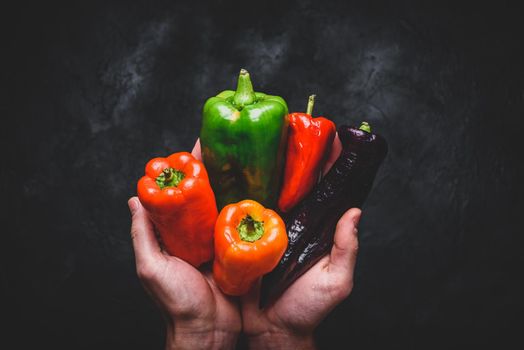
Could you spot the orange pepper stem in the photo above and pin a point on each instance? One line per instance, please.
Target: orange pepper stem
(250, 230)
(310, 104)
(169, 178)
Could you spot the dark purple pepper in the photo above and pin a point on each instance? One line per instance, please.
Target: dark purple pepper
(311, 224)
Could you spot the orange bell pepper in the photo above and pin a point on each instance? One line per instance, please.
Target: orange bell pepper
(178, 197)
(309, 144)
(249, 242)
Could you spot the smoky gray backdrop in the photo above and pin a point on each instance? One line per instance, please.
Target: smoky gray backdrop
(93, 90)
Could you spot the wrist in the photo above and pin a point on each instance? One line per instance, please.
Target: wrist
(281, 340)
(183, 336)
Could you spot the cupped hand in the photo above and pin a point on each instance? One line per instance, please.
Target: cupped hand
(197, 314)
(291, 319)
(195, 307)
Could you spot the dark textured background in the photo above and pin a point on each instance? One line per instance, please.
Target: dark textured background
(94, 90)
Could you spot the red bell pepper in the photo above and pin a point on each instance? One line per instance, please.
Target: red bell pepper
(178, 197)
(309, 144)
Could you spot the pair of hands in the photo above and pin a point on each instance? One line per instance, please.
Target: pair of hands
(199, 316)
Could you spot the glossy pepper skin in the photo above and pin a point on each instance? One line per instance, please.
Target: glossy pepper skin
(311, 225)
(178, 197)
(309, 143)
(249, 242)
(243, 139)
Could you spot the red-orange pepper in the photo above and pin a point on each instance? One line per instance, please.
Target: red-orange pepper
(309, 144)
(249, 242)
(178, 197)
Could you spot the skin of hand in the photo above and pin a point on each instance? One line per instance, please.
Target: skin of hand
(198, 315)
(291, 320)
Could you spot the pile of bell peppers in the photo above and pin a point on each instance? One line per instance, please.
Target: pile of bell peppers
(258, 163)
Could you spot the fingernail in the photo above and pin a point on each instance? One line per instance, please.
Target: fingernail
(133, 205)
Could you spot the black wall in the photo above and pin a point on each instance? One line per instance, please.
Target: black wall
(94, 90)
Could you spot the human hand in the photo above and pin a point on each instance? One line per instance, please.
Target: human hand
(289, 322)
(198, 315)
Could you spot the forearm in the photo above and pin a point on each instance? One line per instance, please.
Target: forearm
(279, 340)
(179, 337)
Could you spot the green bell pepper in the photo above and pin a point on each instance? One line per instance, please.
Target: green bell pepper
(243, 140)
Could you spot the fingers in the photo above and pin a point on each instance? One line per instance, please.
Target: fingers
(145, 243)
(336, 148)
(344, 252)
(196, 152)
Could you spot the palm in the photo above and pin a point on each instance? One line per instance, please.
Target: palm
(311, 297)
(189, 293)
(311, 294)
(302, 306)
(180, 290)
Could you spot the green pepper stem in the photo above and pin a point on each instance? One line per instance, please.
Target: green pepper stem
(245, 95)
(250, 230)
(168, 175)
(365, 127)
(310, 104)
(169, 178)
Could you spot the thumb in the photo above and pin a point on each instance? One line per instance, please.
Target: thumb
(145, 244)
(345, 246)
(197, 152)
